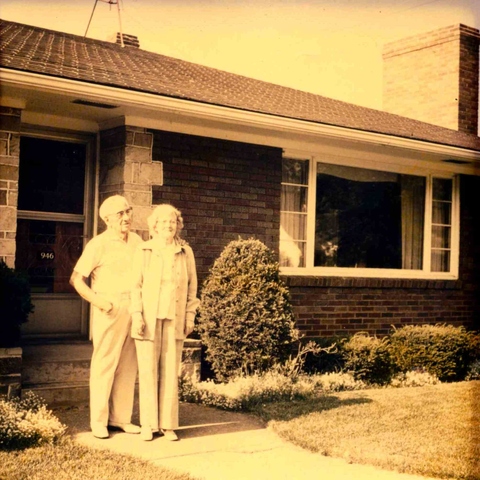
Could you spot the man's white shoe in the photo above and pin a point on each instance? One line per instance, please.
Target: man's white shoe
(100, 431)
(126, 427)
(170, 435)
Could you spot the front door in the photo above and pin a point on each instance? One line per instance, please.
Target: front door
(54, 191)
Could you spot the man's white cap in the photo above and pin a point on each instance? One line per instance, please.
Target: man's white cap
(113, 204)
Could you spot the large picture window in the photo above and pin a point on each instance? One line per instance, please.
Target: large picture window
(346, 220)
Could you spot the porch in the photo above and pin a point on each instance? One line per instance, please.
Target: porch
(59, 372)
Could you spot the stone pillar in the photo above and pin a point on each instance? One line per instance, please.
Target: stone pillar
(191, 359)
(9, 167)
(433, 77)
(126, 168)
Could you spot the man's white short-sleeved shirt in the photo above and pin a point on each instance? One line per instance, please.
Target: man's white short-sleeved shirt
(107, 260)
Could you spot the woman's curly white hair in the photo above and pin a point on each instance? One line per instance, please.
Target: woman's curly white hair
(165, 208)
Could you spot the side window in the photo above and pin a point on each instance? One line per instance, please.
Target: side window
(442, 201)
(293, 215)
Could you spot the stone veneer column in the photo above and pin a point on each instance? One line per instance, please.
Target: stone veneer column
(10, 358)
(126, 168)
(9, 168)
(433, 77)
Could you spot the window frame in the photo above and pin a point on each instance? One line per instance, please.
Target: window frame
(408, 169)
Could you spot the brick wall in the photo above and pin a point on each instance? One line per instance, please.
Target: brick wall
(9, 169)
(376, 305)
(336, 306)
(224, 189)
(433, 77)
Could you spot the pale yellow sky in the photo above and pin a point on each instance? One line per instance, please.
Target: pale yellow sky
(328, 47)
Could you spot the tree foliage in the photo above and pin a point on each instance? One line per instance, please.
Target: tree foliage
(15, 304)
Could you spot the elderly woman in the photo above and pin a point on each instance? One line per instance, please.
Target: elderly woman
(164, 301)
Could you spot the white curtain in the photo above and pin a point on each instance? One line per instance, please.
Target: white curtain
(413, 209)
(292, 226)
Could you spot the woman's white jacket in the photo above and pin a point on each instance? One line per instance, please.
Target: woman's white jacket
(147, 277)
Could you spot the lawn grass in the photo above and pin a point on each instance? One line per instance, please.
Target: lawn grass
(432, 430)
(68, 460)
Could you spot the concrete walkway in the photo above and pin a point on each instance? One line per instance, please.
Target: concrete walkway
(218, 445)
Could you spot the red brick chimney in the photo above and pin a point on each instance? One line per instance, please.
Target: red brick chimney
(434, 77)
(128, 40)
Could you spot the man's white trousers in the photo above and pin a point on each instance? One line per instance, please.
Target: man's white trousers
(113, 368)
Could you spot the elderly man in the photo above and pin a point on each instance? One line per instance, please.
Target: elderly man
(107, 260)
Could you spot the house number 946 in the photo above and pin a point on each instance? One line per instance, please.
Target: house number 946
(46, 255)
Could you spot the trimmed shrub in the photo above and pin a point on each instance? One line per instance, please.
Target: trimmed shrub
(15, 304)
(442, 350)
(27, 422)
(474, 346)
(245, 318)
(368, 358)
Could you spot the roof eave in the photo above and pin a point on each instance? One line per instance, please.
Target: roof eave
(148, 101)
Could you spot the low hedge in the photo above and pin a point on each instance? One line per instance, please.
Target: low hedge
(368, 357)
(442, 350)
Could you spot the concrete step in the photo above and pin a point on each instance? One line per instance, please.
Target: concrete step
(59, 373)
(56, 364)
(60, 394)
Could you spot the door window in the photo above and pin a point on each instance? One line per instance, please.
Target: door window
(51, 229)
(52, 176)
(50, 202)
(48, 250)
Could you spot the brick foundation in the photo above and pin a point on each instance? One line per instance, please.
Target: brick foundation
(377, 306)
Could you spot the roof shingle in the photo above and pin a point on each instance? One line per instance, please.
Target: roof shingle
(42, 51)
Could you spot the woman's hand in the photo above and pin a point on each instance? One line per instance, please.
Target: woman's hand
(189, 326)
(138, 324)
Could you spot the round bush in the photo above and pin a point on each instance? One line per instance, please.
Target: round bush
(368, 358)
(245, 319)
(442, 350)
